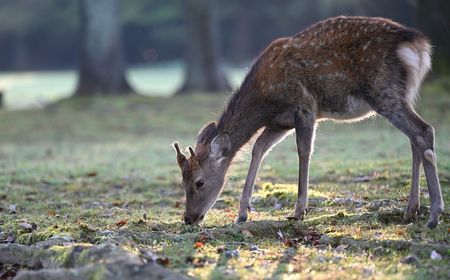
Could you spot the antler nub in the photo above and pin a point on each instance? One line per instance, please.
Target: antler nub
(177, 148)
(192, 152)
(180, 156)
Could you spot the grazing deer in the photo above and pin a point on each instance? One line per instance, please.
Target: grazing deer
(343, 68)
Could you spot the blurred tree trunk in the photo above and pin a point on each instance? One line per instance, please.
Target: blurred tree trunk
(101, 69)
(242, 40)
(203, 71)
(433, 20)
(21, 59)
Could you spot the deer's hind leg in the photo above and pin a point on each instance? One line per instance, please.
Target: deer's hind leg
(401, 114)
(413, 206)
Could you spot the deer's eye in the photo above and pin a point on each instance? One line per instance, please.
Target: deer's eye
(199, 183)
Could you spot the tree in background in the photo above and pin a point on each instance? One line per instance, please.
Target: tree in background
(244, 19)
(202, 55)
(25, 40)
(433, 20)
(102, 67)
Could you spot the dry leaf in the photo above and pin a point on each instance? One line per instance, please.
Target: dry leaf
(121, 223)
(341, 247)
(290, 242)
(247, 233)
(11, 238)
(27, 227)
(203, 237)
(163, 261)
(280, 234)
(195, 261)
(435, 256)
(199, 244)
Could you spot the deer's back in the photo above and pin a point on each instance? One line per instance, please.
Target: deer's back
(332, 60)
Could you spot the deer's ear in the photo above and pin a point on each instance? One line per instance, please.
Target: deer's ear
(206, 133)
(220, 146)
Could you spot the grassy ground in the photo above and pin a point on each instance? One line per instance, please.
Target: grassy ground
(98, 170)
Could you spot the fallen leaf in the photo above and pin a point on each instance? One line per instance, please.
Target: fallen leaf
(163, 261)
(378, 234)
(231, 254)
(247, 233)
(148, 255)
(91, 174)
(121, 223)
(362, 178)
(51, 213)
(312, 237)
(280, 234)
(11, 238)
(203, 237)
(199, 244)
(290, 242)
(277, 206)
(435, 256)
(410, 259)
(341, 247)
(195, 261)
(27, 227)
(9, 273)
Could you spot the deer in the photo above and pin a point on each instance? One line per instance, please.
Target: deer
(344, 69)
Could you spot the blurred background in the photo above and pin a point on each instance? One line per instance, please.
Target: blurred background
(51, 49)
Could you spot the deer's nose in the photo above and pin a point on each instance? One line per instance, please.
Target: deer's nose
(187, 220)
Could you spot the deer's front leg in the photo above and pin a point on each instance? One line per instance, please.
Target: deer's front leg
(264, 142)
(304, 129)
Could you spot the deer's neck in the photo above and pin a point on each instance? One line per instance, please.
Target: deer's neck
(241, 119)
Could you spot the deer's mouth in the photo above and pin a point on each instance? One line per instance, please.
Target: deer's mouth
(193, 220)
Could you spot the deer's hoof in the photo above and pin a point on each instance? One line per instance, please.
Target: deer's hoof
(410, 214)
(294, 218)
(432, 224)
(250, 208)
(242, 219)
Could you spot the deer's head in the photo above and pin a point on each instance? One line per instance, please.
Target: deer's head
(204, 172)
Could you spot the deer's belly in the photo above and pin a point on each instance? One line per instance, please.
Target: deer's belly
(347, 109)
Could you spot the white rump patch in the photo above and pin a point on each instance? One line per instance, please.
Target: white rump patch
(416, 57)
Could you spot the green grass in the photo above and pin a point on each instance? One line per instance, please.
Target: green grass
(79, 167)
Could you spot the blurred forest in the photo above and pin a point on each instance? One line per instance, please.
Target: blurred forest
(45, 34)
